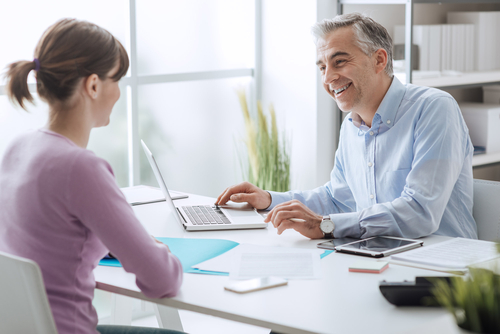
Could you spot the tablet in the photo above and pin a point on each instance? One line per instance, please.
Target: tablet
(379, 246)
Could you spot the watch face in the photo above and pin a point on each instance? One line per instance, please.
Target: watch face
(327, 226)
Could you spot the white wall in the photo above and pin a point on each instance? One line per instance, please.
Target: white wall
(290, 82)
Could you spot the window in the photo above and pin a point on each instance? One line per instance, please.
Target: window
(187, 58)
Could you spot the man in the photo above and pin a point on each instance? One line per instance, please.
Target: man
(403, 166)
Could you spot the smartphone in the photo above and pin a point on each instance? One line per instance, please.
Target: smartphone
(255, 284)
(332, 243)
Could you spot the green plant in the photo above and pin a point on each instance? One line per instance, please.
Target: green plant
(474, 302)
(268, 157)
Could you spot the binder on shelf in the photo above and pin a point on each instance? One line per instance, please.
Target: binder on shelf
(469, 48)
(435, 47)
(446, 47)
(485, 35)
(420, 38)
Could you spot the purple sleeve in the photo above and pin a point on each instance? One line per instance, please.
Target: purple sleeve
(98, 203)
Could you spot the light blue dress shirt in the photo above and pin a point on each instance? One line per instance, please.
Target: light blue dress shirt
(409, 175)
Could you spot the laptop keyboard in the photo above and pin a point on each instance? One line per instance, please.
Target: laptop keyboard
(205, 215)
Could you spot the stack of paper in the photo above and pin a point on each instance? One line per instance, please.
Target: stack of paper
(453, 255)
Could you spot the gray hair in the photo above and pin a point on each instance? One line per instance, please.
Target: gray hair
(370, 35)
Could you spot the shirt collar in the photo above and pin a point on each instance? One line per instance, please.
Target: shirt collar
(388, 107)
(390, 104)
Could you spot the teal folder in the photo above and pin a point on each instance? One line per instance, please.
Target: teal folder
(194, 251)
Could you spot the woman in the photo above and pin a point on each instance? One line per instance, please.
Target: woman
(59, 203)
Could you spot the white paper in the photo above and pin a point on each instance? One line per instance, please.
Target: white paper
(144, 194)
(455, 253)
(289, 263)
(231, 261)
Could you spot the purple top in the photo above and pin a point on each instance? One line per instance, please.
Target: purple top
(61, 207)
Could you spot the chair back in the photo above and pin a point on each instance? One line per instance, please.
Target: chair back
(24, 307)
(486, 209)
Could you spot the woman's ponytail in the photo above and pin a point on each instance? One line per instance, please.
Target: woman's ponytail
(17, 82)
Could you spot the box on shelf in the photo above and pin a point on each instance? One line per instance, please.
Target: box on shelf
(483, 121)
(491, 94)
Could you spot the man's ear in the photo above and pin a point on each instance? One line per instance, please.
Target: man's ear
(380, 59)
(91, 84)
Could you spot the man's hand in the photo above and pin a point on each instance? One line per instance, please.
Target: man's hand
(294, 214)
(246, 192)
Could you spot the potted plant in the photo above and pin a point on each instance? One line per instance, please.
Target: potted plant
(267, 156)
(474, 301)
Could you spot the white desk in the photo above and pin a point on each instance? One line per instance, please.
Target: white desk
(340, 302)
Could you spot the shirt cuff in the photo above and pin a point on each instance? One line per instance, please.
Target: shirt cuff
(346, 225)
(278, 198)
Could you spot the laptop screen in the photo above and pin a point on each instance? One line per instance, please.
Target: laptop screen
(159, 178)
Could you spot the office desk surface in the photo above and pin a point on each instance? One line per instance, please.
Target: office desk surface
(339, 302)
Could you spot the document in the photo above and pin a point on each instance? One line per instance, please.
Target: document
(289, 263)
(455, 254)
(250, 261)
(138, 195)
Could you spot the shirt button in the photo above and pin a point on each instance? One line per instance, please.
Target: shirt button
(388, 121)
(370, 164)
(371, 133)
(371, 196)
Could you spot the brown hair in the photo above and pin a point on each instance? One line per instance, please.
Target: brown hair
(68, 51)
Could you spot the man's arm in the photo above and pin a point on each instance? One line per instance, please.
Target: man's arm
(333, 197)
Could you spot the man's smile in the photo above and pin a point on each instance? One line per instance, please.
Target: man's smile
(340, 90)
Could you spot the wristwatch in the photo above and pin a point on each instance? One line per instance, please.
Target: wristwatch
(327, 226)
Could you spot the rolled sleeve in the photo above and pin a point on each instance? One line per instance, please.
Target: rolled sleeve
(346, 225)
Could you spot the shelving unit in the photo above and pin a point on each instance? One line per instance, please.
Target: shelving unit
(485, 159)
(465, 80)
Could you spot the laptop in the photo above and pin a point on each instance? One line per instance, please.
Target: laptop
(207, 217)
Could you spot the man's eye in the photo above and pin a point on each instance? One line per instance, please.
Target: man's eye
(322, 68)
(339, 61)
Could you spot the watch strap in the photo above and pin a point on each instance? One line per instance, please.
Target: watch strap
(328, 235)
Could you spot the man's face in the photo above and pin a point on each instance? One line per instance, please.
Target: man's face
(347, 73)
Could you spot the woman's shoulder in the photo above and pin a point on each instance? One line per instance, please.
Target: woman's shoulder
(64, 149)
(84, 161)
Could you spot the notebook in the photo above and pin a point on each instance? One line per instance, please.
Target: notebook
(206, 217)
(139, 195)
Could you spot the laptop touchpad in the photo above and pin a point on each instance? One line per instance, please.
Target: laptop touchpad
(240, 210)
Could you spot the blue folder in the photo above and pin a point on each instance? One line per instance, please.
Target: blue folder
(194, 251)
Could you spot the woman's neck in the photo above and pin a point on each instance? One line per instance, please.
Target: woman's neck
(73, 123)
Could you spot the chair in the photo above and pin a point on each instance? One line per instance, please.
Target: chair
(486, 210)
(24, 307)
